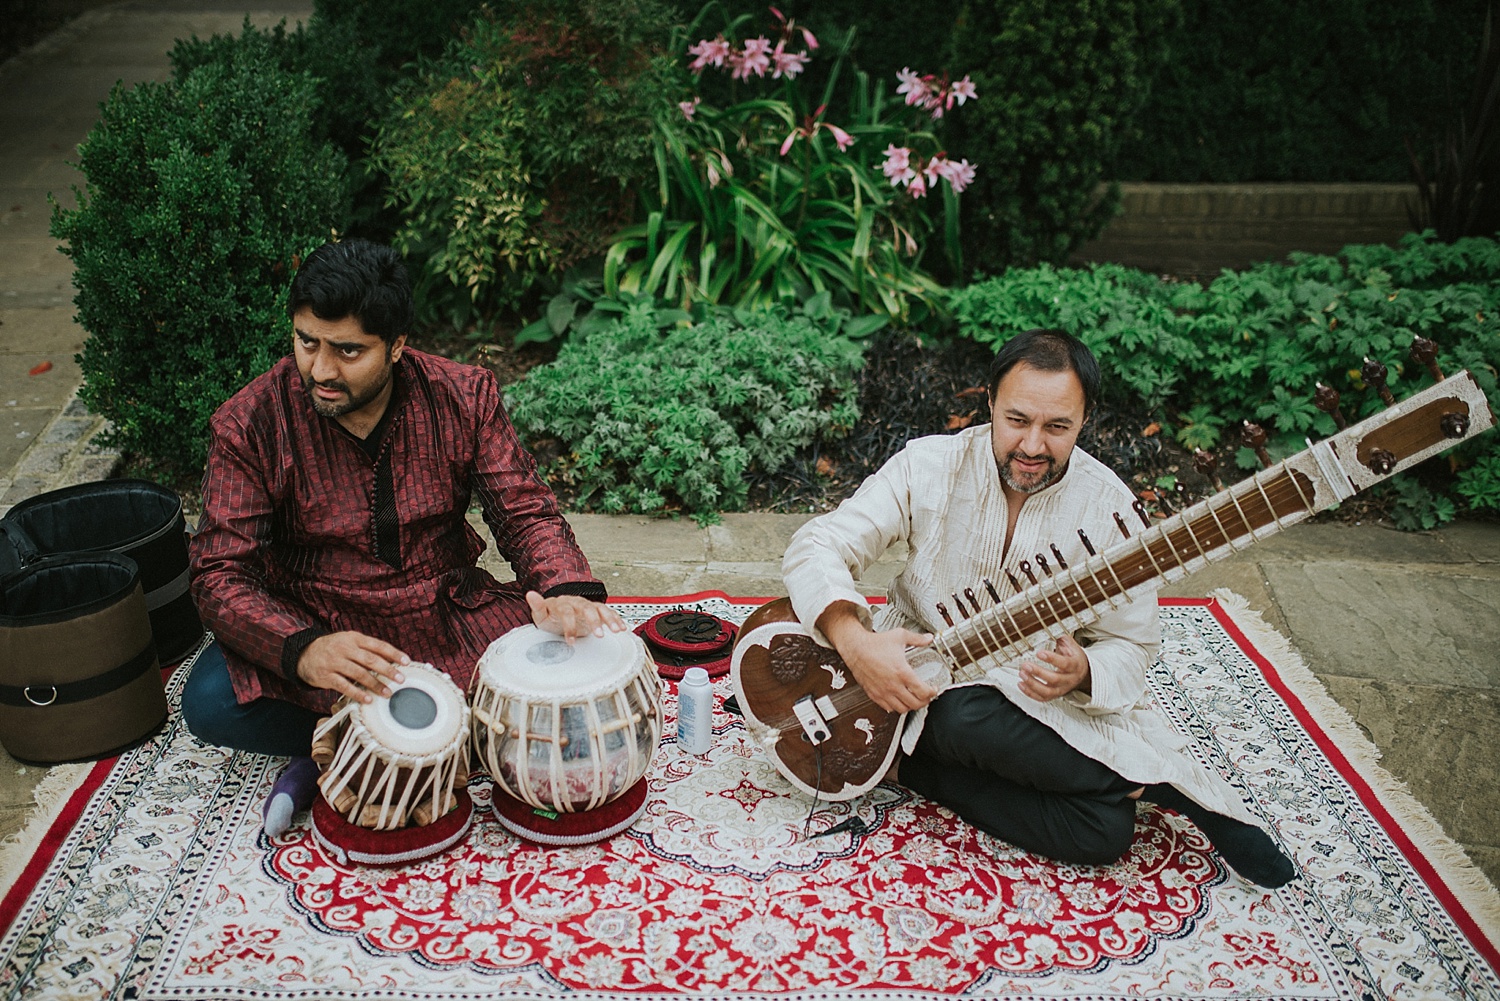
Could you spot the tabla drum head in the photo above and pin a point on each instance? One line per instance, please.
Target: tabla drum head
(425, 714)
(532, 663)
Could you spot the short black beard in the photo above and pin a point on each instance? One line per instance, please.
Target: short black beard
(1051, 475)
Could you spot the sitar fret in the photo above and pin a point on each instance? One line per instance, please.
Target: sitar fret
(1065, 601)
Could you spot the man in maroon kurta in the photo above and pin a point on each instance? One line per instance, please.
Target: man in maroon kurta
(333, 546)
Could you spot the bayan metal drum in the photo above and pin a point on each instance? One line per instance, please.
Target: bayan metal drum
(396, 762)
(566, 727)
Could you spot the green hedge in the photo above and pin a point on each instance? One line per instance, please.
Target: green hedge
(1303, 92)
(657, 416)
(201, 193)
(1253, 344)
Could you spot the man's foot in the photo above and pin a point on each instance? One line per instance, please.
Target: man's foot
(294, 791)
(1248, 849)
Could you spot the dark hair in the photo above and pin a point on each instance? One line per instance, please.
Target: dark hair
(1049, 351)
(355, 278)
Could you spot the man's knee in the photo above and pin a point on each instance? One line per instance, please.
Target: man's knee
(1101, 836)
(208, 697)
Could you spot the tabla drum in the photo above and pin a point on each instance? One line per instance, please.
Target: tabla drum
(397, 761)
(566, 727)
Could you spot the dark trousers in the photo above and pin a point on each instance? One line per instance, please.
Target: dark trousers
(265, 726)
(1007, 774)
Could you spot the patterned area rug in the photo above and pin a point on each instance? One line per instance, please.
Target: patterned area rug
(150, 879)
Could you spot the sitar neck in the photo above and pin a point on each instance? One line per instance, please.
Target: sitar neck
(1215, 529)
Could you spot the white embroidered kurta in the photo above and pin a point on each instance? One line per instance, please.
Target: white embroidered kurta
(943, 496)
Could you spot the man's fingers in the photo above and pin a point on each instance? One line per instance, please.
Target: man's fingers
(612, 619)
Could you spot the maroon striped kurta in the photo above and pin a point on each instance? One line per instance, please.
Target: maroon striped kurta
(288, 537)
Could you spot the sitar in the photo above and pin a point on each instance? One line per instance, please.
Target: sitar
(819, 728)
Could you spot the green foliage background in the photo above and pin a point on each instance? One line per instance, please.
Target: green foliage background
(201, 193)
(1253, 344)
(658, 415)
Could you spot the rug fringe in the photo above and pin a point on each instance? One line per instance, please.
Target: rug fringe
(51, 795)
(1467, 881)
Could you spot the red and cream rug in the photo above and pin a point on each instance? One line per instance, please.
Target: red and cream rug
(149, 878)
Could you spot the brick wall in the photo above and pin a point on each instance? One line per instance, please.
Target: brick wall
(1195, 230)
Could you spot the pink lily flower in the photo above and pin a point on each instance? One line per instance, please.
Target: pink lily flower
(755, 59)
(709, 52)
(897, 166)
(788, 63)
(913, 86)
(844, 139)
(917, 187)
(934, 170)
(964, 90)
(787, 27)
(689, 108)
(959, 174)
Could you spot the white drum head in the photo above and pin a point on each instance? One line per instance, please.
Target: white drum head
(532, 663)
(423, 715)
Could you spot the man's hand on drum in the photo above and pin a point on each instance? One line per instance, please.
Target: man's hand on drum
(352, 664)
(570, 616)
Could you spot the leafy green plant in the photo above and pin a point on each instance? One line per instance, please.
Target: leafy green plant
(1415, 507)
(201, 192)
(1255, 343)
(661, 418)
(766, 199)
(513, 157)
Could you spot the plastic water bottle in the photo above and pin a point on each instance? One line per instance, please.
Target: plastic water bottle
(695, 712)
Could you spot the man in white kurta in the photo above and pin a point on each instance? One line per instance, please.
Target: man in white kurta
(1051, 752)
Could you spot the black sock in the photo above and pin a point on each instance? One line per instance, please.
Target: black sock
(1248, 849)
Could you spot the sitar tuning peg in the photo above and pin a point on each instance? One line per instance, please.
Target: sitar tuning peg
(994, 595)
(1041, 561)
(1424, 352)
(1374, 374)
(1083, 537)
(1120, 524)
(1014, 584)
(1208, 465)
(1326, 399)
(1254, 437)
(1062, 564)
(969, 593)
(943, 611)
(1026, 569)
(958, 603)
(1140, 512)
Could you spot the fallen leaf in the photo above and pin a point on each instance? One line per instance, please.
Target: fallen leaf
(1150, 429)
(45, 366)
(1149, 496)
(955, 421)
(964, 394)
(825, 466)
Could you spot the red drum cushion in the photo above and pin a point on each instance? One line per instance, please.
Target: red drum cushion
(563, 829)
(683, 638)
(348, 843)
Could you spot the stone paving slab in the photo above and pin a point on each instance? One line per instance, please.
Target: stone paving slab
(1414, 623)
